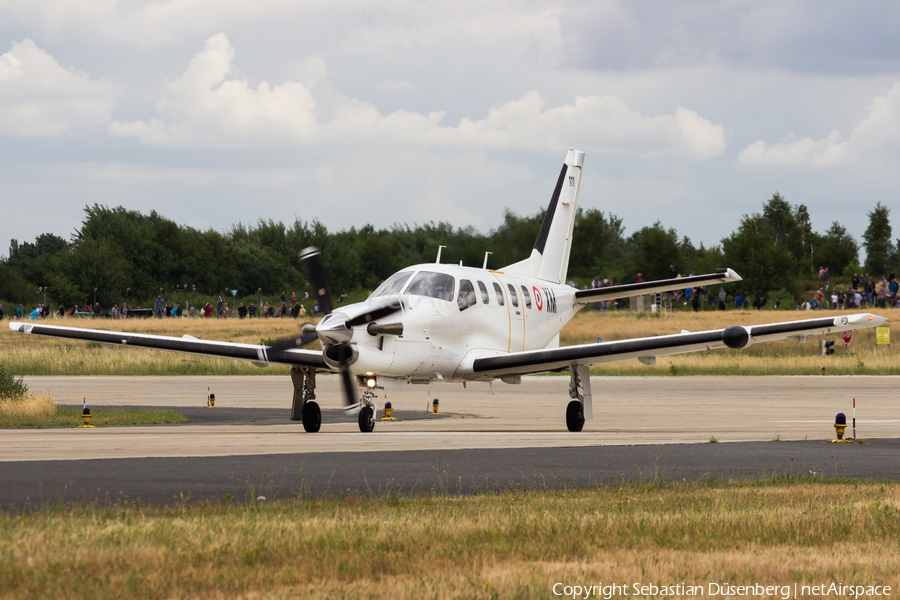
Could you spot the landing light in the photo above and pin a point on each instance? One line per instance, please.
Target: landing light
(371, 380)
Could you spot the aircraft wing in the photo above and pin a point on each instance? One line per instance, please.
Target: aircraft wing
(258, 355)
(647, 349)
(652, 287)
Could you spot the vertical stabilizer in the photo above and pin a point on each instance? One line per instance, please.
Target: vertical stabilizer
(549, 259)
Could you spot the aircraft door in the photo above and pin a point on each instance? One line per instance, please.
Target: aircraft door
(515, 305)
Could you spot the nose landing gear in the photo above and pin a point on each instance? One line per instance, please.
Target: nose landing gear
(367, 412)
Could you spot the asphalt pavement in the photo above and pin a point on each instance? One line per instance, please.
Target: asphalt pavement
(464, 471)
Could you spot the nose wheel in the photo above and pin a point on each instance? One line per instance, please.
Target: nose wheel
(366, 419)
(367, 412)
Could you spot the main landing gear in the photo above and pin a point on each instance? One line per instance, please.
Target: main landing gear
(581, 407)
(574, 416)
(303, 408)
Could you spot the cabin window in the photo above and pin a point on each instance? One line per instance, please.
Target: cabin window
(392, 285)
(432, 285)
(513, 297)
(526, 296)
(485, 297)
(498, 291)
(466, 295)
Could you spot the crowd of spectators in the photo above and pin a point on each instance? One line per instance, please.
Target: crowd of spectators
(864, 292)
(162, 309)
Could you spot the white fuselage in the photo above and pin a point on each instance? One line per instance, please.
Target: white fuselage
(485, 313)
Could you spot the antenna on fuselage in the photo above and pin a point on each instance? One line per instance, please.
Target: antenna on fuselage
(438, 259)
(486, 254)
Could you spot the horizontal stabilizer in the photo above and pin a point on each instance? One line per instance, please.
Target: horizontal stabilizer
(652, 287)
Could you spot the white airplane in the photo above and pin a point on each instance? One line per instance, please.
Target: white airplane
(456, 323)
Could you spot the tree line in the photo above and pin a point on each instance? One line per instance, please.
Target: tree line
(118, 252)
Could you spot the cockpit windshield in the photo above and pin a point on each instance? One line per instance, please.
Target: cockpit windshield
(432, 285)
(392, 285)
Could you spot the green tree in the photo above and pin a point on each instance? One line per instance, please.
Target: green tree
(598, 247)
(98, 264)
(779, 216)
(877, 241)
(763, 265)
(837, 249)
(656, 248)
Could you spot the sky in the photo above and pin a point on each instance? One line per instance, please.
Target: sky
(217, 112)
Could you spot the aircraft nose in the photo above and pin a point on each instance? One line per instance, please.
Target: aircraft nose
(334, 329)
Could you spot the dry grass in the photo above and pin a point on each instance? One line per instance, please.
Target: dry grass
(39, 410)
(34, 355)
(31, 407)
(516, 544)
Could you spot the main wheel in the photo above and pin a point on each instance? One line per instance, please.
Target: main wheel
(366, 419)
(574, 416)
(311, 417)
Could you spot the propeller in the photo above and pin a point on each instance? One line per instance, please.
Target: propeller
(336, 330)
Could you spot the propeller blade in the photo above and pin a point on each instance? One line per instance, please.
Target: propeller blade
(310, 256)
(294, 342)
(387, 329)
(351, 393)
(374, 315)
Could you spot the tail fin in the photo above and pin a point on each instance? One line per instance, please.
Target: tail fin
(549, 259)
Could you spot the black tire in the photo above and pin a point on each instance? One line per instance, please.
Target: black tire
(311, 417)
(574, 416)
(366, 420)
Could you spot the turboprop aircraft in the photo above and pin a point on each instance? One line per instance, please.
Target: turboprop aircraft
(446, 322)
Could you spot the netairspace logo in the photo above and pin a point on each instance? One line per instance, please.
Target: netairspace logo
(785, 592)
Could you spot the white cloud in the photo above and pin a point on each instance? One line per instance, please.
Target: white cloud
(204, 108)
(38, 97)
(796, 151)
(877, 136)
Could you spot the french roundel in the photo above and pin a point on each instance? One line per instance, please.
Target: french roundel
(538, 299)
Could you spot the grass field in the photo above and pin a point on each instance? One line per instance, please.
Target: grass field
(39, 410)
(33, 355)
(511, 545)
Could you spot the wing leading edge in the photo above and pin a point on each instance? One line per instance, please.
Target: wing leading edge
(258, 355)
(647, 349)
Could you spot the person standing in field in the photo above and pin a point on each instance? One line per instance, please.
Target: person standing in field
(722, 296)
